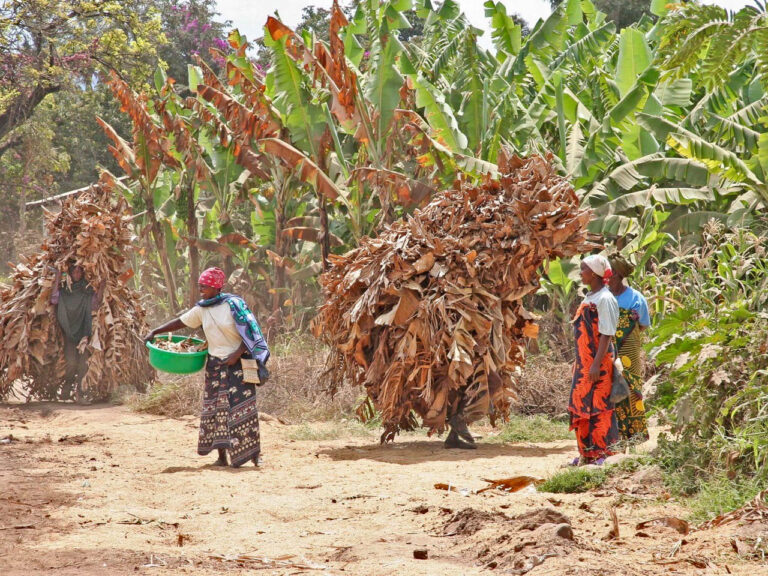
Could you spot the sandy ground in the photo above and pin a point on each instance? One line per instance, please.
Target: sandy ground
(102, 490)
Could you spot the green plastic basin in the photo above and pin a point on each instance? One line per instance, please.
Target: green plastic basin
(176, 362)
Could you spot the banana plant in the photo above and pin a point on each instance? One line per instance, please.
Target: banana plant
(143, 160)
(577, 88)
(340, 136)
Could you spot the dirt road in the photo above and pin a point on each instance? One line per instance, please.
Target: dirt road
(102, 490)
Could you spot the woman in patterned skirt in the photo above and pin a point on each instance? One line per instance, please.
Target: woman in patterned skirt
(633, 319)
(594, 327)
(229, 421)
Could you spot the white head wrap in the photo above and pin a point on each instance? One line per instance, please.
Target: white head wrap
(599, 265)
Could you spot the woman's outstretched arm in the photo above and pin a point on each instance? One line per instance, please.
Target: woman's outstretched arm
(170, 326)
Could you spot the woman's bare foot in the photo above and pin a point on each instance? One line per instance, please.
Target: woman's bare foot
(222, 461)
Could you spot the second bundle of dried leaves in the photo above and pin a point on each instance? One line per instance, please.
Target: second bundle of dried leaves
(427, 317)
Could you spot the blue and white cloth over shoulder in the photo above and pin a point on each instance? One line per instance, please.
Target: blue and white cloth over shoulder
(633, 300)
(246, 323)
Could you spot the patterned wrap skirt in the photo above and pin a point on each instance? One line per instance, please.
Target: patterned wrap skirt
(630, 413)
(590, 407)
(229, 419)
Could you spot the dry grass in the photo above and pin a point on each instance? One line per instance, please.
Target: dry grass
(296, 394)
(173, 396)
(336, 430)
(293, 394)
(545, 386)
(536, 428)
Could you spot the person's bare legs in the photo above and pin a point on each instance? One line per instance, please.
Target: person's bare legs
(453, 441)
(81, 363)
(458, 422)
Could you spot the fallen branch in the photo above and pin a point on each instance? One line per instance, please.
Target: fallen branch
(280, 562)
(63, 195)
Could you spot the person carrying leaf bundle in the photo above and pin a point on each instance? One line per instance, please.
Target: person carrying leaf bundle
(75, 301)
(229, 421)
(634, 317)
(594, 327)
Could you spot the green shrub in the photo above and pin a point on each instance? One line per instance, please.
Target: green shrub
(711, 347)
(574, 480)
(536, 428)
(630, 465)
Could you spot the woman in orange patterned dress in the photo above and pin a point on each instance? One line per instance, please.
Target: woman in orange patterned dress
(594, 327)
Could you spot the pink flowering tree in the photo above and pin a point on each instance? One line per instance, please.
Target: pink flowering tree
(193, 29)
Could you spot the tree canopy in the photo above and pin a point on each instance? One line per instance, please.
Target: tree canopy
(47, 45)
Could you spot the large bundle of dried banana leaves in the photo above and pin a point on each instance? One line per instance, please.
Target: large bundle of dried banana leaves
(92, 230)
(427, 317)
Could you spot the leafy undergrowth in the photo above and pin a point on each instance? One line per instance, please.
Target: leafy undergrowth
(536, 428)
(712, 349)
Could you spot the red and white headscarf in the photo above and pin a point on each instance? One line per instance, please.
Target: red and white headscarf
(599, 265)
(212, 277)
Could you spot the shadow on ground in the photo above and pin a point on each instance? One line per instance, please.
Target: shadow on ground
(46, 409)
(226, 469)
(419, 451)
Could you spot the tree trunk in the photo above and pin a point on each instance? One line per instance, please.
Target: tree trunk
(280, 245)
(325, 236)
(28, 159)
(12, 141)
(22, 106)
(194, 253)
(159, 238)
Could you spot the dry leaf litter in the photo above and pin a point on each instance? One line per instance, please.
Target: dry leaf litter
(428, 315)
(93, 230)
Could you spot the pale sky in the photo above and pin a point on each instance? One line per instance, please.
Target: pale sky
(251, 15)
